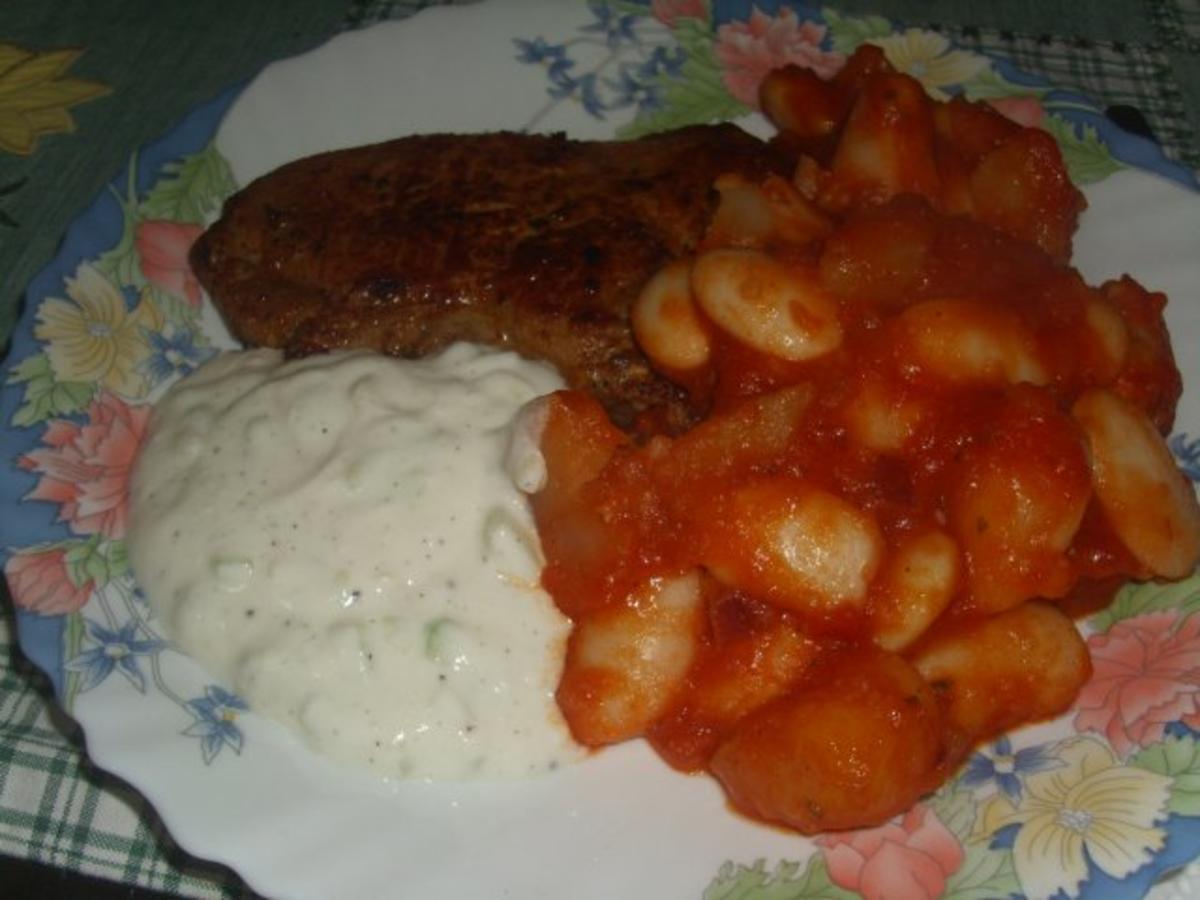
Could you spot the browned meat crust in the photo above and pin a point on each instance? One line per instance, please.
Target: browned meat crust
(532, 242)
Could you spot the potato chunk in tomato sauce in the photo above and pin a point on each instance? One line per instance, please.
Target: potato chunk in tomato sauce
(928, 438)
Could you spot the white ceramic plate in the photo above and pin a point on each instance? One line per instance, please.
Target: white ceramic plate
(234, 788)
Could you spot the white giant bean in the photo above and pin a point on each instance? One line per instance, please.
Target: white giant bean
(1150, 503)
(881, 418)
(797, 545)
(917, 583)
(968, 341)
(758, 215)
(1111, 335)
(665, 322)
(624, 665)
(776, 308)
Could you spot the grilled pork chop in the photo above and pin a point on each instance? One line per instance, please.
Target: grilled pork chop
(531, 242)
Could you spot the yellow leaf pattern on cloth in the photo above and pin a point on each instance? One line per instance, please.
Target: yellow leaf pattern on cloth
(928, 57)
(35, 95)
(93, 337)
(1093, 803)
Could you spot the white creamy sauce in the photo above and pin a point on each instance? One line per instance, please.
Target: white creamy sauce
(338, 540)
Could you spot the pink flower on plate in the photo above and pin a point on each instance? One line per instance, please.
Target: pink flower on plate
(163, 250)
(1145, 675)
(908, 859)
(749, 50)
(39, 582)
(1025, 110)
(668, 11)
(85, 468)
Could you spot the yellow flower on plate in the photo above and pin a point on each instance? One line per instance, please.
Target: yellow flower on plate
(92, 337)
(1091, 802)
(927, 57)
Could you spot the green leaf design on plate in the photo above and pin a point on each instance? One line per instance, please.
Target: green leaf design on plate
(95, 566)
(1179, 759)
(120, 263)
(640, 10)
(988, 84)
(190, 189)
(72, 646)
(179, 313)
(116, 559)
(44, 396)
(985, 874)
(186, 191)
(1136, 599)
(94, 560)
(786, 882)
(955, 808)
(698, 95)
(84, 563)
(847, 32)
(1087, 157)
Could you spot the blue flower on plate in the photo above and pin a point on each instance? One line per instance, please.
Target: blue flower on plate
(215, 717)
(629, 89)
(638, 84)
(562, 82)
(665, 61)
(173, 352)
(616, 28)
(582, 89)
(118, 650)
(558, 66)
(1188, 454)
(539, 51)
(1005, 768)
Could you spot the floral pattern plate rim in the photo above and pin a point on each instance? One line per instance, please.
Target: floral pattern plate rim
(1102, 803)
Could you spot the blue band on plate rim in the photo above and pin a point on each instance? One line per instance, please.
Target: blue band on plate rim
(96, 229)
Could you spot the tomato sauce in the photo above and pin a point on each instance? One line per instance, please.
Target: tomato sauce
(877, 536)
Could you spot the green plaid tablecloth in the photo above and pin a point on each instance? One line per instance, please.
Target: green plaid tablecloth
(57, 808)
(155, 61)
